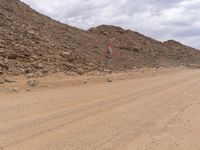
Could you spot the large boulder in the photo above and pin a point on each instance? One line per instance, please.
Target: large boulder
(32, 82)
(2, 81)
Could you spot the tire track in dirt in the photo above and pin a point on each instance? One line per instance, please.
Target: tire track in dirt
(30, 128)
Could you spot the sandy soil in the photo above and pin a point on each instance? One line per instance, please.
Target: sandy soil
(157, 111)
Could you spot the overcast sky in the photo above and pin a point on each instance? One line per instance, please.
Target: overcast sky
(160, 19)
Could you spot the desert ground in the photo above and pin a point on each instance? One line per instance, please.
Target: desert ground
(147, 110)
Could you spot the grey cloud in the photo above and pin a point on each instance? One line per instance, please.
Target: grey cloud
(188, 32)
(177, 19)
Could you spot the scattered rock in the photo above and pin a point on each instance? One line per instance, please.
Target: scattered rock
(15, 89)
(34, 57)
(31, 59)
(109, 80)
(39, 66)
(107, 71)
(32, 82)
(28, 90)
(22, 70)
(92, 64)
(6, 79)
(3, 65)
(1, 72)
(1, 51)
(85, 82)
(134, 68)
(65, 54)
(98, 73)
(2, 81)
(71, 73)
(30, 75)
(80, 71)
(39, 74)
(12, 56)
(28, 70)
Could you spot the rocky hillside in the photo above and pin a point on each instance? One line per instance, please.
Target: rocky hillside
(31, 43)
(184, 54)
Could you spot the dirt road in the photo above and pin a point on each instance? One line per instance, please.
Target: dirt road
(152, 113)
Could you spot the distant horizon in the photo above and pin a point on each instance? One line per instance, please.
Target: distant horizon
(163, 21)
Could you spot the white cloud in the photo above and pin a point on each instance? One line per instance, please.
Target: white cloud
(170, 19)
